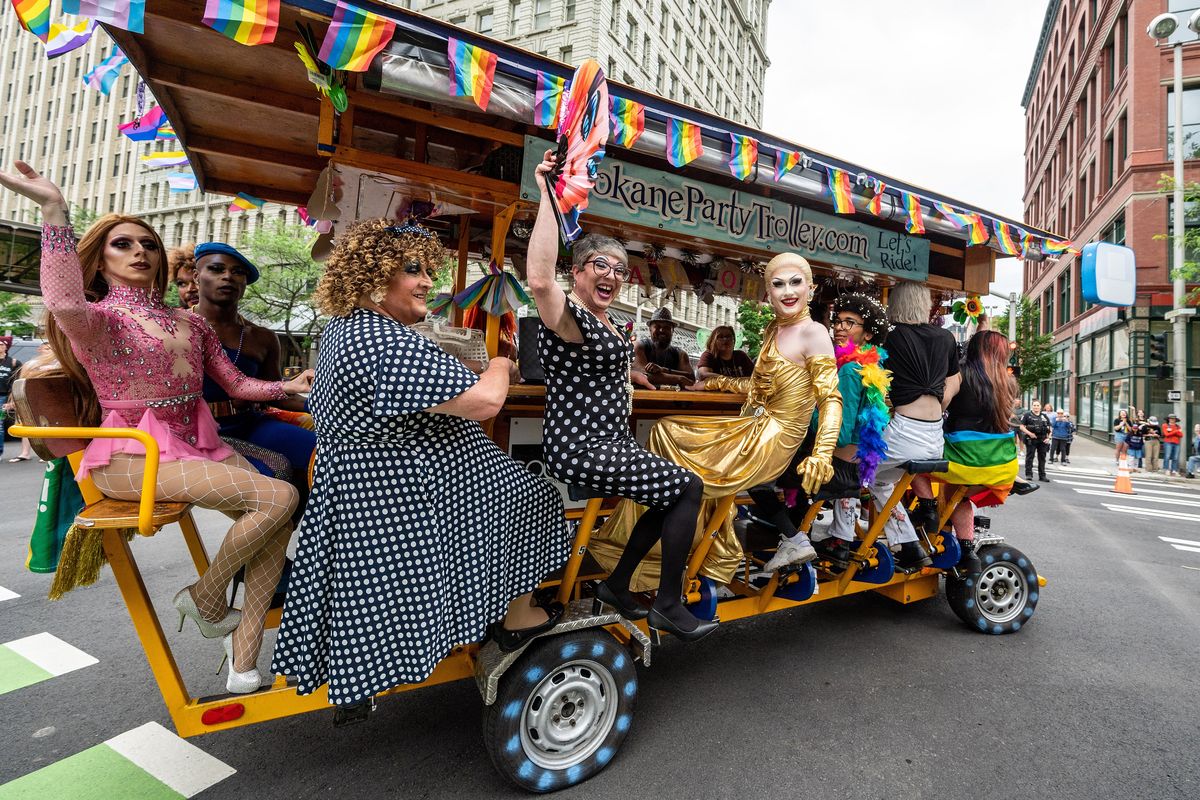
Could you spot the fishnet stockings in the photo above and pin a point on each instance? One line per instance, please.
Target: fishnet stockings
(262, 508)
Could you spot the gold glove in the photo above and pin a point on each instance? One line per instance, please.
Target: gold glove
(817, 469)
(723, 383)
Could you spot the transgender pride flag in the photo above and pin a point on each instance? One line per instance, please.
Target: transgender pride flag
(127, 14)
(105, 73)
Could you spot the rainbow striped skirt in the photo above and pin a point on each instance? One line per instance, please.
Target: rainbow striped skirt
(988, 460)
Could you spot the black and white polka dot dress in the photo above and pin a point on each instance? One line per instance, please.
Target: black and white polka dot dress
(419, 529)
(586, 437)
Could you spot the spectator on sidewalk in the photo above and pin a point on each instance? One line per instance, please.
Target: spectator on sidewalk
(1062, 432)
(1172, 436)
(1134, 441)
(1035, 427)
(1152, 434)
(1120, 429)
(1193, 462)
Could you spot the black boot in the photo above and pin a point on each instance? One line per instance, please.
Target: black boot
(925, 516)
(834, 550)
(912, 557)
(969, 562)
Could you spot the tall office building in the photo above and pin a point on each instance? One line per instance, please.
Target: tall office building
(1099, 116)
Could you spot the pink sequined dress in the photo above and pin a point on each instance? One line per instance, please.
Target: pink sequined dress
(146, 360)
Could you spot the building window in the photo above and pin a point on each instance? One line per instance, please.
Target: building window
(541, 14)
(514, 16)
(1064, 297)
(631, 35)
(483, 21)
(1109, 166)
(1191, 222)
(564, 55)
(569, 11)
(88, 175)
(1048, 311)
(460, 21)
(1191, 123)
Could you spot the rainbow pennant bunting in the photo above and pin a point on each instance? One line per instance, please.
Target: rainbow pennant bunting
(1005, 239)
(472, 70)
(912, 207)
(354, 38)
(684, 142)
(104, 75)
(743, 156)
(244, 202)
(248, 22)
(839, 187)
(498, 292)
(627, 121)
(785, 162)
(1056, 247)
(129, 15)
(547, 99)
(875, 204)
(976, 233)
(63, 39)
(34, 16)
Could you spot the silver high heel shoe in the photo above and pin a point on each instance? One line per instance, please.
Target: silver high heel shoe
(186, 606)
(238, 682)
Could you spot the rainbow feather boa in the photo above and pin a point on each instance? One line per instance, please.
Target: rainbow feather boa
(873, 414)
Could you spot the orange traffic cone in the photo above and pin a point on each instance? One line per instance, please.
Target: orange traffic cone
(1122, 485)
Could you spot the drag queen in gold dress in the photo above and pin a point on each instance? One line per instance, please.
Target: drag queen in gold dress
(796, 372)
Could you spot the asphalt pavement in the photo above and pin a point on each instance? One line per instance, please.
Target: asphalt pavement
(1095, 697)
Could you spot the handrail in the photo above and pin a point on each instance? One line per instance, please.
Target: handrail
(149, 476)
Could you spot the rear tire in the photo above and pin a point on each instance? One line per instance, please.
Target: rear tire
(562, 710)
(1001, 598)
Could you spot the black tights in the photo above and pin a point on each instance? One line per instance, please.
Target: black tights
(676, 527)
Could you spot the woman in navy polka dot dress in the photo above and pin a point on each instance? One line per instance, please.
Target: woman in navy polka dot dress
(420, 532)
(586, 436)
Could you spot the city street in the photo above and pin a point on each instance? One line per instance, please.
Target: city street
(857, 698)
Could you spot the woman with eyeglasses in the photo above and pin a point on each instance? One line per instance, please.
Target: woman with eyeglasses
(420, 533)
(589, 397)
(720, 357)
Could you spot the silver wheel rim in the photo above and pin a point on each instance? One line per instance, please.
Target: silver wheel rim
(1001, 593)
(569, 714)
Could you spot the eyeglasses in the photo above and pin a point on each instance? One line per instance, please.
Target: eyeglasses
(602, 266)
(846, 322)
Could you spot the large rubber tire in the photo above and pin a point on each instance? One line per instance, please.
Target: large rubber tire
(1001, 598)
(562, 711)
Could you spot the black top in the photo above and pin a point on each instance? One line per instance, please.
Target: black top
(1037, 424)
(920, 357)
(668, 358)
(7, 367)
(966, 412)
(740, 366)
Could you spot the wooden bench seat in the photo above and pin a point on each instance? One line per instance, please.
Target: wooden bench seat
(110, 513)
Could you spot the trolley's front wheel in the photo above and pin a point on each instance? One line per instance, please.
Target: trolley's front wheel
(1002, 597)
(562, 711)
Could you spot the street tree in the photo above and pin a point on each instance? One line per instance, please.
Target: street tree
(282, 295)
(1190, 270)
(1033, 348)
(753, 318)
(14, 315)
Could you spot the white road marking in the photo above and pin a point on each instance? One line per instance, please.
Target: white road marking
(1167, 500)
(1179, 541)
(181, 765)
(1194, 496)
(7, 594)
(1152, 512)
(1187, 545)
(51, 653)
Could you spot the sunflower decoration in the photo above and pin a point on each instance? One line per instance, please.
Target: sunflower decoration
(968, 309)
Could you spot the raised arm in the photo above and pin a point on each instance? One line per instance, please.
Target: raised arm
(816, 470)
(542, 255)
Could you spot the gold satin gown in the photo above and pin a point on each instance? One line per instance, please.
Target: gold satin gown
(731, 454)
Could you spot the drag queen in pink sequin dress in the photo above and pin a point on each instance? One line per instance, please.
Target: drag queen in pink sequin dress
(144, 364)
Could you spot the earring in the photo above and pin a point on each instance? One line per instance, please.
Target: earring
(377, 296)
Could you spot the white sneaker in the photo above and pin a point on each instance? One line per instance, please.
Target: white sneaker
(789, 553)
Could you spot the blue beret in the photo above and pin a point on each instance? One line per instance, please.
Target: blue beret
(214, 248)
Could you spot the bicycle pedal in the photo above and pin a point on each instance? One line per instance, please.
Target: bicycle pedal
(353, 714)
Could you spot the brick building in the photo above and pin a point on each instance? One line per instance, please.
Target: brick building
(1098, 106)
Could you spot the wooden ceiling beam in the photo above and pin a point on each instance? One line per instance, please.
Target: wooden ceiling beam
(211, 145)
(271, 193)
(204, 83)
(396, 106)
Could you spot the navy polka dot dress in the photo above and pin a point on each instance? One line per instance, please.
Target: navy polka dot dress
(586, 437)
(419, 529)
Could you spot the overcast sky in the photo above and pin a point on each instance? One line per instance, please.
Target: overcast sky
(928, 91)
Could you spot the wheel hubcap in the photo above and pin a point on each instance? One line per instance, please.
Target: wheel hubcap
(568, 714)
(1002, 593)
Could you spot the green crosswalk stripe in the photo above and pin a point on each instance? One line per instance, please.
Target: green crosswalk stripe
(17, 672)
(98, 773)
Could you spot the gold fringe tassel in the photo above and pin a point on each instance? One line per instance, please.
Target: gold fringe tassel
(81, 559)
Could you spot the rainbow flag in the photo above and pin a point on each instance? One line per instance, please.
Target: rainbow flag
(912, 206)
(839, 187)
(875, 204)
(167, 158)
(244, 202)
(166, 131)
(471, 71)
(181, 181)
(127, 14)
(785, 162)
(684, 142)
(63, 39)
(34, 16)
(1005, 239)
(743, 156)
(247, 22)
(547, 99)
(354, 38)
(627, 121)
(1056, 247)
(980, 459)
(146, 128)
(977, 234)
(104, 75)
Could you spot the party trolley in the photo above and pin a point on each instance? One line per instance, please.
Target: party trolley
(400, 139)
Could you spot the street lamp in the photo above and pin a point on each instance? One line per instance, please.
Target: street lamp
(1160, 29)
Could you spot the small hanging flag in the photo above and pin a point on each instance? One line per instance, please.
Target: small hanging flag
(167, 158)
(244, 202)
(497, 292)
(875, 204)
(471, 71)
(129, 15)
(63, 39)
(547, 99)
(743, 156)
(1056, 247)
(165, 131)
(104, 75)
(248, 22)
(1005, 238)
(978, 232)
(321, 225)
(146, 128)
(684, 142)
(912, 207)
(181, 181)
(785, 162)
(839, 187)
(959, 219)
(628, 121)
(34, 16)
(354, 38)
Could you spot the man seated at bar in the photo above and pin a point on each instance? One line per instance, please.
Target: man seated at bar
(663, 363)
